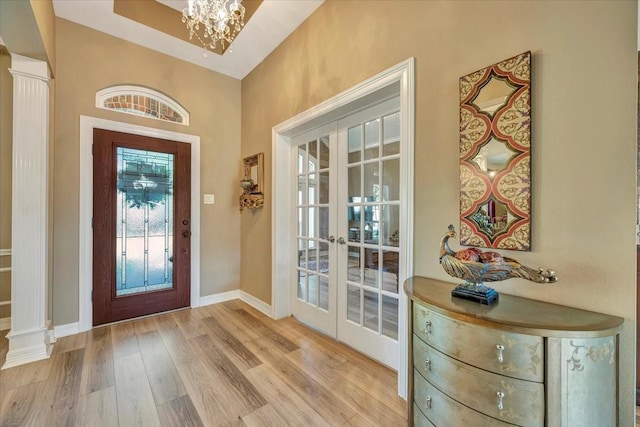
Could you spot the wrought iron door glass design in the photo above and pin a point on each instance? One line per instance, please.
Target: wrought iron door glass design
(144, 223)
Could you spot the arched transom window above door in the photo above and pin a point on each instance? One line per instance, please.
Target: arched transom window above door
(142, 101)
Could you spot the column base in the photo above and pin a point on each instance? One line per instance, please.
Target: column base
(26, 347)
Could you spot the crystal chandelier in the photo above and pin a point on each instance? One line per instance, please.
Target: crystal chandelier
(221, 19)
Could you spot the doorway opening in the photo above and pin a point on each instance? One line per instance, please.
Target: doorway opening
(87, 126)
(395, 81)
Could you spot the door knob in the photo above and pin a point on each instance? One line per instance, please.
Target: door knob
(186, 233)
(341, 240)
(330, 239)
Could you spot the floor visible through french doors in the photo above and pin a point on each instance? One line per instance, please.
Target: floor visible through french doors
(223, 364)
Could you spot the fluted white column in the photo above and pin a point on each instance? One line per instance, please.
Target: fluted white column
(29, 335)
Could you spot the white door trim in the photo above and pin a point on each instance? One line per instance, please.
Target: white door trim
(332, 109)
(85, 273)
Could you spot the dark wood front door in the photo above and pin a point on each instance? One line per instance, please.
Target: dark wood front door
(141, 225)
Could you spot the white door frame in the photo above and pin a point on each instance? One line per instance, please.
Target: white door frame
(85, 273)
(338, 106)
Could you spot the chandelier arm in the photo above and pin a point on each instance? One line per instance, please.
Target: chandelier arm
(221, 19)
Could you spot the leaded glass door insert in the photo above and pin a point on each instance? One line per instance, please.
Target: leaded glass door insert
(144, 225)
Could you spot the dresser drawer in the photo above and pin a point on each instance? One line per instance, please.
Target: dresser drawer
(442, 411)
(505, 353)
(522, 401)
(419, 420)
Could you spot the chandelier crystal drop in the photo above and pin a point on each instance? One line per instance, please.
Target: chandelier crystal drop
(221, 21)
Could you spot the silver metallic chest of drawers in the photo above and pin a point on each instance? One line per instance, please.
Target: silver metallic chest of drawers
(518, 362)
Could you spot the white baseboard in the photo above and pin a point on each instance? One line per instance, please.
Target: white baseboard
(237, 294)
(66, 330)
(256, 303)
(221, 297)
(5, 323)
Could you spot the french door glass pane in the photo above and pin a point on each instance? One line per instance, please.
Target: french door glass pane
(353, 303)
(354, 136)
(371, 310)
(390, 317)
(312, 226)
(144, 229)
(373, 212)
(324, 152)
(372, 181)
(371, 139)
(391, 126)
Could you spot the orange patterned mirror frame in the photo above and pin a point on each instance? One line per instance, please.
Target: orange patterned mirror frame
(495, 148)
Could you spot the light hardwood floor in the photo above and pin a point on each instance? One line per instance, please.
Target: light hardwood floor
(223, 364)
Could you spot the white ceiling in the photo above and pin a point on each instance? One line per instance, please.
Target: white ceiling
(272, 22)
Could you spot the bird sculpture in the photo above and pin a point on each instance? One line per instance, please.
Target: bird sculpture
(476, 267)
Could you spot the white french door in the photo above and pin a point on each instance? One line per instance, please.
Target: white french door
(315, 160)
(347, 206)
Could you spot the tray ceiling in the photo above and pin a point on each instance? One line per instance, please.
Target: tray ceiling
(151, 25)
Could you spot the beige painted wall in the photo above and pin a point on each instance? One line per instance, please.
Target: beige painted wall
(88, 61)
(6, 130)
(45, 18)
(584, 131)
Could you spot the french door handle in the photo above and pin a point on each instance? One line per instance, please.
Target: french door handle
(341, 240)
(330, 239)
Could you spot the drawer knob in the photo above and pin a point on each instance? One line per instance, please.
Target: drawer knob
(427, 327)
(427, 364)
(428, 399)
(500, 398)
(500, 348)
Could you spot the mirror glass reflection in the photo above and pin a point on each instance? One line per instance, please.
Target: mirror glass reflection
(493, 217)
(493, 157)
(494, 95)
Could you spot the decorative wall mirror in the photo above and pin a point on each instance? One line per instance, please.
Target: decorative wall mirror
(252, 182)
(495, 147)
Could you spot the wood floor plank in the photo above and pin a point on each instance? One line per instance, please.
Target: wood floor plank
(369, 380)
(265, 330)
(98, 409)
(69, 343)
(263, 417)
(24, 374)
(97, 371)
(233, 323)
(179, 412)
(123, 339)
(201, 367)
(289, 405)
(177, 345)
(357, 421)
(145, 324)
(329, 344)
(66, 374)
(357, 398)
(228, 343)
(210, 399)
(189, 322)
(321, 399)
(233, 377)
(163, 377)
(136, 406)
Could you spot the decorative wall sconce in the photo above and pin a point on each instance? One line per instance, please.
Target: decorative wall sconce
(252, 182)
